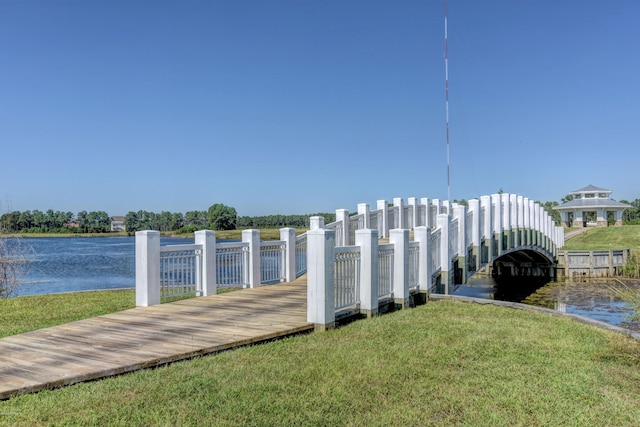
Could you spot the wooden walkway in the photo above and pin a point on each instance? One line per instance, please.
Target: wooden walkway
(144, 337)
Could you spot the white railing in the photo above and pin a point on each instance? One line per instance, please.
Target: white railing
(385, 270)
(347, 276)
(414, 265)
(301, 255)
(232, 260)
(272, 262)
(436, 237)
(180, 271)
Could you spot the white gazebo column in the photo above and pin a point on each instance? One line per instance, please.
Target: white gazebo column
(383, 219)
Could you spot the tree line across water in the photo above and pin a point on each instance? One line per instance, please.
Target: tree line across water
(217, 217)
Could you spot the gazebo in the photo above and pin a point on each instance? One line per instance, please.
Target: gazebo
(591, 206)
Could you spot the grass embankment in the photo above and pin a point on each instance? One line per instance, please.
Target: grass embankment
(601, 238)
(445, 363)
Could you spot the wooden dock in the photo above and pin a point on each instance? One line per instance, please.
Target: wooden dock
(144, 337)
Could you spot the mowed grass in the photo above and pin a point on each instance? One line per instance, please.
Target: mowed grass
(599, 238)
(444, 363)
(28, 313)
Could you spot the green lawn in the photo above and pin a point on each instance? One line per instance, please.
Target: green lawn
(627, 236)
(444, 363)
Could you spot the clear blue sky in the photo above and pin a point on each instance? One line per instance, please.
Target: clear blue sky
(301, 106)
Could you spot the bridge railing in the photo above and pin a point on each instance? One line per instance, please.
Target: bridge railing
(199, 269)
(461, 240)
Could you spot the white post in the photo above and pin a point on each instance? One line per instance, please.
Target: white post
(438, 204)
(400, 240)
(288, 236)
(253, 238)
(368, 241)
(444, 223)
(496, 200)
(399, 203)
(527, 222)
(415, 220)
(422, 235)
(320, 282)
(427, 212)
(460, 212)
(476, 232)
(383, 220)
(207, 239)
(485, 202)
(316, 223)
(520, 202)
(363, 209)
(513, 201)
(342, 216)
(506, 221)
(147, 268)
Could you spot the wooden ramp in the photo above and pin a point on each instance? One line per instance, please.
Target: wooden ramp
(143, 337)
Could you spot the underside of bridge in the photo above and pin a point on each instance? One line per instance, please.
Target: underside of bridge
(526, 264)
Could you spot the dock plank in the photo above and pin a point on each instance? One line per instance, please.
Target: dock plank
(145, 337)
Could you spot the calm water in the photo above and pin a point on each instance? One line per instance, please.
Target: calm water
(69, 264)
(595, 299)
(92, 263)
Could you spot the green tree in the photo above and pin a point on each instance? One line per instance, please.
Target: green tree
(221, 217)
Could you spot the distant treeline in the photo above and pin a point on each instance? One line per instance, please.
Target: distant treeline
(55, 222)
(217, 217)
(631, 215)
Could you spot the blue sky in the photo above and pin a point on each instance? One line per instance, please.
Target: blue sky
(296, 106)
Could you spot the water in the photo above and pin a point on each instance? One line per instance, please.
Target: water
(595, 298)
(70, 264)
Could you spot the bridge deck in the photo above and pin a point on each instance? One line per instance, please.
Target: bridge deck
(143, 337)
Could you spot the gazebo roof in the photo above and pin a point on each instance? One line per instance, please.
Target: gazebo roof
(591, 189)
(592, 203)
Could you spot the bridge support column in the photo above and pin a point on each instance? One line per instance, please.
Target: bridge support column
(252, 237)
(368, 242)
(476, 233)
(207, 239)
(487, 230)
(147, 268)
(363, 209)
(498, 248)
(288, 236)
(444, 223)
(383, 219)
(342, 216)
(422, 235)
(400, 240)
(460, 212)
(400, 221)
(321, 309)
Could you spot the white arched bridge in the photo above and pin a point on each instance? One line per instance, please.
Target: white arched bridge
(362, 262)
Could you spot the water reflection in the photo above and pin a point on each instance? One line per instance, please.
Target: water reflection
(595, 298)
